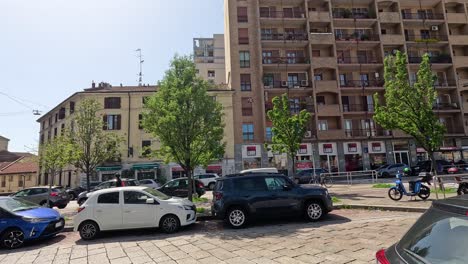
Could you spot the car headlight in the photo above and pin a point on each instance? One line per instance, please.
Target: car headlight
(187, 207)
(34, 220)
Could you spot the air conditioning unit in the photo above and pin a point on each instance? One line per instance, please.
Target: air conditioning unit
(435, 28)
(296, 85)
(308, 134)
(284, 83)
(304, 83)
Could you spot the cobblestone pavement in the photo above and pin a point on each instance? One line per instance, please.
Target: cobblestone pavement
(345, 236)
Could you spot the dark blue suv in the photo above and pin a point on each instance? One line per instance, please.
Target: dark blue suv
(239, 198)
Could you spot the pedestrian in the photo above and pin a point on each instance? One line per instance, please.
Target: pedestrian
(118, 182)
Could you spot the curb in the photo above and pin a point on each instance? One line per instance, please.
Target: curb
(381, 207)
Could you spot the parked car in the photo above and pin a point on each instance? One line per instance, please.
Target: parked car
(387, 171)
(425, 166)
(208, 179)
(304, 176)
(105, 185)
(179, 188)
(259, 170)
(439, 236)
(38, 195)
(74, 192)
(149, 183)
(239, 198)
(22, 221)
(132, 207)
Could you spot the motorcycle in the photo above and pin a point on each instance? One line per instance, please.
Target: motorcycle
(416, 188)
(462, 185)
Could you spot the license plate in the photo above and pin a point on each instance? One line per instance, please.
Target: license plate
(59, 224)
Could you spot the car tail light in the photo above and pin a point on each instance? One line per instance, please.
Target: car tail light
(54, 194)
(200, 185)
(81, 209)
(218, 196)
(380, 256)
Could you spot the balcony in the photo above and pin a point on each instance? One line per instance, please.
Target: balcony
(458, 39)
(435, 59)
(389, 17)
(319, 16)
(348, 14)
(454, 130)
(421, 16)
(287, 84)
(285, 36)
(356, 37)
(463, 85)
(460, 61)
(431, 38)
(329, 110)
(321, 38)
(455, 18)
(375, 132)
(357, 60)
(285, 60)
(390, 39)
(330, 134)
(445, 83)
(362, 84)
(446, 107)
(350, 108)
(293, 14)
(326, 86)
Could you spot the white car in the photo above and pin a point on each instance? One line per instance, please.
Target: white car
(149, 183)
(208, 179)
(130, 208)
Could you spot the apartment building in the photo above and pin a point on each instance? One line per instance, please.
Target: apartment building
(121, 112)
(208, 55)
(328, 56)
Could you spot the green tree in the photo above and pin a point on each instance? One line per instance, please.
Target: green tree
(185, 119)
(409, 107)
(288, 130)
(92, 146)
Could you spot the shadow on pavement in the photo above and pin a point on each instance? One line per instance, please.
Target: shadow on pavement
(35, 244)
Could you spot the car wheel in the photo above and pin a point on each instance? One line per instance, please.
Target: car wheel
(169, 224)
(314, 211)
(81, 201)
(211, 186)
(89, 230)
(72, 196)
(61, 206)
(12, 238)
(237, 217)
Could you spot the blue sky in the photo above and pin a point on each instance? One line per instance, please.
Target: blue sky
(50, 49)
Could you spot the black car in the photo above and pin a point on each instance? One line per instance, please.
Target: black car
(179, 188)
(425, 166)
(74, 192)
(83, 196)
(239, 198)
(439, 236)
(305, 176)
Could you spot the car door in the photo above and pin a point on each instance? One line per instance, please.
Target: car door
(136, 212)
(23, 194)
(108, 210)
(283, 200)
(182, 188)
(253, 192)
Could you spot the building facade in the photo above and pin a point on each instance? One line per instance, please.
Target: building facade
(328, 56)
(208, 55)
(121, 112)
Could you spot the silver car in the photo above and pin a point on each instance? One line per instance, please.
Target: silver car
(387, 171)
(58, 197)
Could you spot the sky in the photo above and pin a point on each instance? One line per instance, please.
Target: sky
(50, 49)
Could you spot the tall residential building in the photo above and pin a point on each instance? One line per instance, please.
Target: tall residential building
(328, 56)
(121, 112)
(208, 54)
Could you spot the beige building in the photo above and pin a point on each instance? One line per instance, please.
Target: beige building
(121, 111)
(208, 54)
(328, 56)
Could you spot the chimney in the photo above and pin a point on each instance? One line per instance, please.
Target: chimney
(93, 84)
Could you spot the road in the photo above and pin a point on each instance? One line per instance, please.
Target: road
(345, 236)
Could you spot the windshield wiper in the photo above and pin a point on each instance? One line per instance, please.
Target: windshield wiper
(416, 256)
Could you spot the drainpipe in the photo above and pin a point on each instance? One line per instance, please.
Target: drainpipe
(128, 127)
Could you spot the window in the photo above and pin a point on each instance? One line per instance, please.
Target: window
(20, 182)
(55, 131)
(211, 74)
(140, 118)
(56, 117)
(111, 122)
(61, 113)
(28, 178)
(268, 79)
(245, 82)
(246, 106)
(322, 125)
(269, 133)
(109, 198)
(42, 139)
(318, 77)
(320, 100)
(145, 99)
(4, 181)
(62, 129)
(146, 147)
(250, 184)
(315, 53)
(72, 107)
(112, 103)
(275, 183)
(135, 198)
(294, 105)
(248, 131)
(244, 57)
(243, 35)
(242, 14)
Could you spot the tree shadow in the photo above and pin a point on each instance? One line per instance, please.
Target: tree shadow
(36, 244)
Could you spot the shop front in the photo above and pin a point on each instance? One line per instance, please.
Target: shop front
(177, 172)
(353, 156)
(328, 156)
(215, 168)
(146, 171)
(377, 154)
(251, 156)
(401, 152)
(304, 157)
(277, 160)
(106, 173)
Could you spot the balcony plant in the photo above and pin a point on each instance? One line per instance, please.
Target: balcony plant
(365, 37)
(347, 13)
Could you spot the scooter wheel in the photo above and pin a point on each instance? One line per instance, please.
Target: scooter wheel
(395, 194)
(424, 193)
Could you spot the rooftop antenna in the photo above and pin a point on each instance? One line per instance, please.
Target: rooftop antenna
(140, 75)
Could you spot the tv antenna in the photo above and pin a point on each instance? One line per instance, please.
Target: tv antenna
(140, 75)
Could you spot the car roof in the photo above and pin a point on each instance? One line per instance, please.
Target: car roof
(127, 188)
(251, 174)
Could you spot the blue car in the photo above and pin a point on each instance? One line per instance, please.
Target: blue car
(21, 221)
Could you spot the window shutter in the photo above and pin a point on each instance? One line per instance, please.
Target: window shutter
(104, 122)
(118, 122)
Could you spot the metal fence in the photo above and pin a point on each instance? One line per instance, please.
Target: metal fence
(352, 176)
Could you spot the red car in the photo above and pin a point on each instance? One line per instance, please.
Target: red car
(452, 170)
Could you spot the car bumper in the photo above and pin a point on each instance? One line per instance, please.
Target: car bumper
(189, 217)
(328, 203)
(217, 212)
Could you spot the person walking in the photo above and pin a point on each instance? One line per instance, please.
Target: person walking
(118, 182)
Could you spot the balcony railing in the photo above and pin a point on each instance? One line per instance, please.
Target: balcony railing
(285, 36)
(358, 108)
(434, 59)
(455, 129)
(350, 14)
(445, 106)
(357, 37)
(357, 60)
(375, 132)
(427, 16)
(282, 14)
(294, 107)
(361, 83)
(287, 84)
(426, 38)
(445, 83)
(284, 60)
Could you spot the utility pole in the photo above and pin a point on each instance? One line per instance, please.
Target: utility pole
(140, 75)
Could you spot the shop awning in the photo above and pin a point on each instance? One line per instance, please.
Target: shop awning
(145, 166)
(214, 167)
(109, 168)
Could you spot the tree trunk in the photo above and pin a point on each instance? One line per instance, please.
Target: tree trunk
(434, 172)
(189, 172)
(87, 180)
(293, 159)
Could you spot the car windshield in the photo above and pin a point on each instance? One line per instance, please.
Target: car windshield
(16, 204)
(158, 194)
(383, 167)
(437, 237)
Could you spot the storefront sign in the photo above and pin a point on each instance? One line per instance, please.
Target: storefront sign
(302, 165)
(376, 147)
(448, 148)
(251, 151)
(305, 149)
(352, 148)
(420, 150)
(327, 148)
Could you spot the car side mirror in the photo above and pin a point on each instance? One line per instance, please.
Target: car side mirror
(150, 201)
(287, 187)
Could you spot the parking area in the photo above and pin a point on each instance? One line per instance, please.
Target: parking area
(345, 236)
